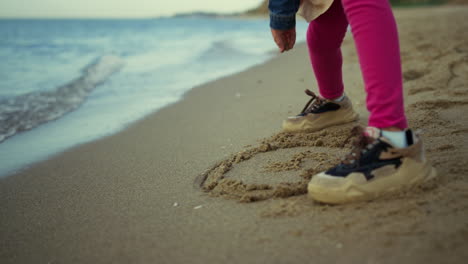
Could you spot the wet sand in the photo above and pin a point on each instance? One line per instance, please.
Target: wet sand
(211, 179)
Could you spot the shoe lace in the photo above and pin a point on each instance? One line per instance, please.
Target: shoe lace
(361, 145)
(313, 104)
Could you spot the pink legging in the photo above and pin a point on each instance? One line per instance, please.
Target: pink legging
(376, 37)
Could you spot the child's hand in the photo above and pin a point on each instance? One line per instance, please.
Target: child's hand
(285, 39)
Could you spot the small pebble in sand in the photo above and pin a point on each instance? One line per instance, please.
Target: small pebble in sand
(198, 207)
(175, 204)
(339, 245)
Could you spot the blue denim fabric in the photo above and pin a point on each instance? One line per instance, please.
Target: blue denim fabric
(283, 13)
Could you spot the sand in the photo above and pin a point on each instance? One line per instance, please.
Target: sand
(211, 179)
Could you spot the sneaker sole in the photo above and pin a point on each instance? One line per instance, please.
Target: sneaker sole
(410, 174)
(331, 120)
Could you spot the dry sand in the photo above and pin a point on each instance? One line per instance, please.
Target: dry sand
(211, 180)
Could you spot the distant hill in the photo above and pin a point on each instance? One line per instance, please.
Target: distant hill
(197, 14)
(262, 9)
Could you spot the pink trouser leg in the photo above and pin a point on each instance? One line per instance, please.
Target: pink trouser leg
(376, 37)
(324, 37)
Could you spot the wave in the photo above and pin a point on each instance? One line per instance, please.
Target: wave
(222, 49)
(27, 111)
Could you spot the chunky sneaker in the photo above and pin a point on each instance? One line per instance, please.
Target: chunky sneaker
(320, 113)
(374, 167)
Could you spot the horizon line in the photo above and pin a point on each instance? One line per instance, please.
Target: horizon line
(128, 17)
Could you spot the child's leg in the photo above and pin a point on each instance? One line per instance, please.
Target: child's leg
(324, 37)
(375, 166)
(376, 37)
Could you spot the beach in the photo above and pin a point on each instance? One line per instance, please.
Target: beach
(211, 178)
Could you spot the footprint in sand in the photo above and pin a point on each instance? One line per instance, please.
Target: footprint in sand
(459, 72)
(441, 104)
(460, 68)
(421, 90)
(411, 75)
(462, 48)
(435, 114)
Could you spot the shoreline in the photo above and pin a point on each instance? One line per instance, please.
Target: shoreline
(37, 152)
(43, 157)
(46, 157)
(130, 197)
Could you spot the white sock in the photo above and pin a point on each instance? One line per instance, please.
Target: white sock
(339, 99)
(398, 138)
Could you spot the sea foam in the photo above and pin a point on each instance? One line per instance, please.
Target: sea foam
(27, 111)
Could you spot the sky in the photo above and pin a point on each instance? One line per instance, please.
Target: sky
(115, 8)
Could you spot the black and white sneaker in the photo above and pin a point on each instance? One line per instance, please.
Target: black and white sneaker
(374, 167)
(320, 113)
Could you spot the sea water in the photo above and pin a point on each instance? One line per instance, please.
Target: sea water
(66, 82)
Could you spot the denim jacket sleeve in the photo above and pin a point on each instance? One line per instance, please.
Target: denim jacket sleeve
(283, 13)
